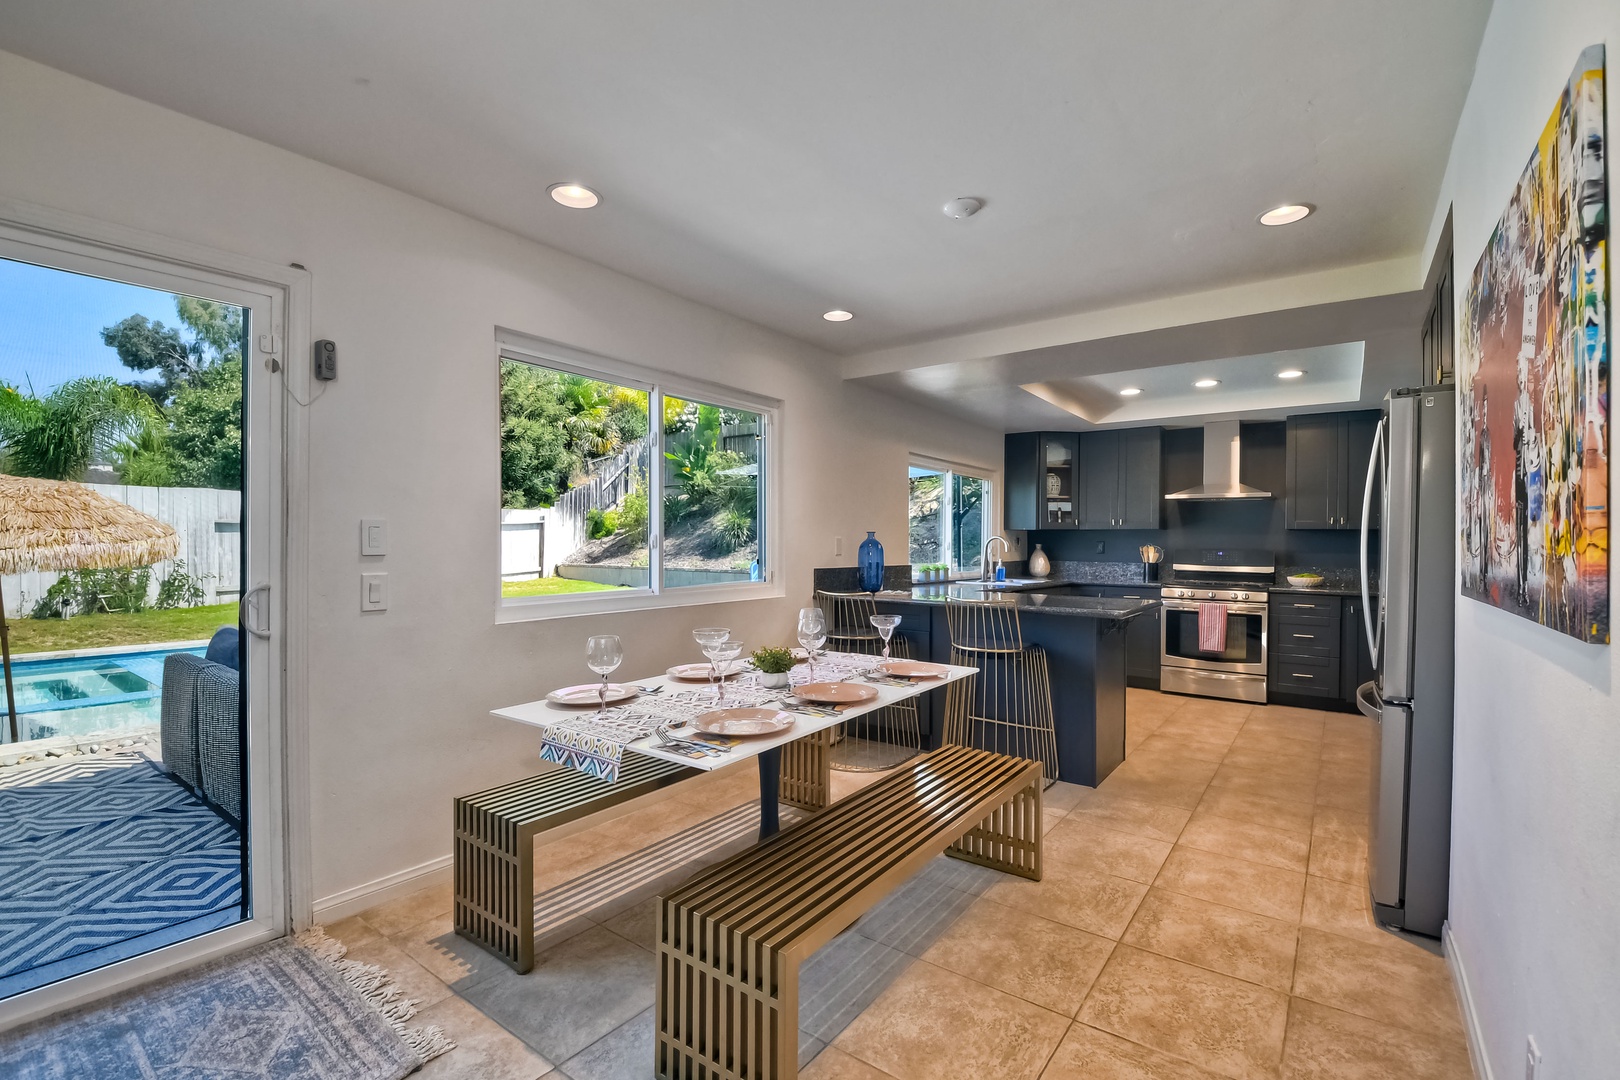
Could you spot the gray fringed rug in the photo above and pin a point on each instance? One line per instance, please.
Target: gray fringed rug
(291, 1009)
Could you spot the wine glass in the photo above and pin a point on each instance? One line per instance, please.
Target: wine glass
(885, 627)
(707, 637)
(724, 653)
(812, 634)
(603, 654)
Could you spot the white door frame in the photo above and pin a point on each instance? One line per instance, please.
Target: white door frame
(276, 515)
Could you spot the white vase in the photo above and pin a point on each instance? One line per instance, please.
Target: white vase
(774, 680)
(1039, 564)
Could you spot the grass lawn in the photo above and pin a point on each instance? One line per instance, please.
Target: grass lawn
(550, 586)
(97, 631)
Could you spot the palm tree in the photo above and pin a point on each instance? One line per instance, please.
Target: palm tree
(56, 437)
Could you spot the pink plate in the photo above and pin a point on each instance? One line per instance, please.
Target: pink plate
(590, 694)
(836, 693)
(696, 672)
(913, 669)
(743, 721)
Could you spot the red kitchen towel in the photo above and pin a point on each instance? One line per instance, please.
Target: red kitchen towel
(1212, 628)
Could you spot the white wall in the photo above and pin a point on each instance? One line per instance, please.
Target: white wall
(413, 293)
(1535, 876)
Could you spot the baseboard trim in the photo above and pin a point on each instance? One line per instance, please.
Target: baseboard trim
(1465, 999)
(340, 905)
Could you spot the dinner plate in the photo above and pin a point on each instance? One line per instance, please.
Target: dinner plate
(913, 669)
(590, 694)
(836, 693)
(696, 673)
(743, 721)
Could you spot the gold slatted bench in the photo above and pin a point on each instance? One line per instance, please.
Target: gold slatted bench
(730, 940)
(494, 844)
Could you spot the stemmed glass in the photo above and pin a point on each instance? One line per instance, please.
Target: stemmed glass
(708, 638)
(604, 654)
(812, 634)
(885, 627)
(724, 653)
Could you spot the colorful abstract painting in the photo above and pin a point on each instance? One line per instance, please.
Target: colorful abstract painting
(1533, 368)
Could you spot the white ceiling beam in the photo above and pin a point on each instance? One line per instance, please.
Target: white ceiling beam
(1254, 298)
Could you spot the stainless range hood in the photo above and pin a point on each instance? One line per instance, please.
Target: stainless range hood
(1223, 446)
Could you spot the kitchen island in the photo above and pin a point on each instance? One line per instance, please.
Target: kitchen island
(1084, 639)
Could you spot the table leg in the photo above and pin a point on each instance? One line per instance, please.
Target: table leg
(770, 786)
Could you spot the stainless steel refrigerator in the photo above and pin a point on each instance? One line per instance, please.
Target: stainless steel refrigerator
(1411, 629)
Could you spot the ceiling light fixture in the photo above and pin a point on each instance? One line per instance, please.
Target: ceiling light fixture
(963, 208)
(1286, 214)
(1205, 384)
(574, 196)
(1130, 391)
(1291, 373)
(838, 315)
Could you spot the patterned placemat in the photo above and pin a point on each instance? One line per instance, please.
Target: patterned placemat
(593, 742)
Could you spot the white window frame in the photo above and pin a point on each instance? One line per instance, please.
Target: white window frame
(992, 521)
(514, 345)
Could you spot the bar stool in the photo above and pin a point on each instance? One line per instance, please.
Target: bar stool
(885, 737)
(1008, 708)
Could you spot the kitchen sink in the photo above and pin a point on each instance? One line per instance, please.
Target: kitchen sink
(1012, 584)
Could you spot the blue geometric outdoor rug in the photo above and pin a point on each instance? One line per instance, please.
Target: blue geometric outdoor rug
(99, 853)
(289, 1010)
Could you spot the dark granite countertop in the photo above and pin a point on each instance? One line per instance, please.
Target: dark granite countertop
(1046, 602)
(1335, 582)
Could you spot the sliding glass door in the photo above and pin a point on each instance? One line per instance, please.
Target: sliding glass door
(140, 524)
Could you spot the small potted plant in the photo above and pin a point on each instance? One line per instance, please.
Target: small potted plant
(941, 572)
(773, 664)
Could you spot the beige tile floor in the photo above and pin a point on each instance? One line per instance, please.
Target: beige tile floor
(1203, 914)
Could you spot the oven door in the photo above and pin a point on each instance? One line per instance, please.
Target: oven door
(1245, 651)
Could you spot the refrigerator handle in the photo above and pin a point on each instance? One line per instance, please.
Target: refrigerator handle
(1373, 634)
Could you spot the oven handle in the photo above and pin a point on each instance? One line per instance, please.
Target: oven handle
(1231, 609)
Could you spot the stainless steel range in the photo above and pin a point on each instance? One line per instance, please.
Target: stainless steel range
(1237, 581)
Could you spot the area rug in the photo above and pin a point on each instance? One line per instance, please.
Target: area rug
(290, 1010)
(101, 856)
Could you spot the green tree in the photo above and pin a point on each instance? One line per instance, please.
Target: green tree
(83, 420)
(536, 456)
(205, 428)
(143, 345)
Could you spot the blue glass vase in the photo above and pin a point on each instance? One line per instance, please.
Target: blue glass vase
(869, 563)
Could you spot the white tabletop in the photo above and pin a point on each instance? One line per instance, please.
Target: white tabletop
(542, 713)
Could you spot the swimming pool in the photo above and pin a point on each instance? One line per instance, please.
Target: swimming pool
(77, 695)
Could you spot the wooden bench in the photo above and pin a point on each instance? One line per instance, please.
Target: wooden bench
(493, 853)
(730, 940)
(493, 857)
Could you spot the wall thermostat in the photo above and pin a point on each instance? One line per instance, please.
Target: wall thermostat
(326, 360)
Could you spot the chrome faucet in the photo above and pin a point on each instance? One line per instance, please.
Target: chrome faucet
(984, 571)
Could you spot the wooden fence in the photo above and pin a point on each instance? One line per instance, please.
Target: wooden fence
(209, 521)
(610, 479)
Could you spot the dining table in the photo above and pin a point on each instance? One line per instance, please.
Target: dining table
(808, 719)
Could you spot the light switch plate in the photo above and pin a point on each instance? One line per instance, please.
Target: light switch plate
(373, 536)
(374, 592)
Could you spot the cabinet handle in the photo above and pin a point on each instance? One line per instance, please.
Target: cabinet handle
(1302, 675)
(1308, 637)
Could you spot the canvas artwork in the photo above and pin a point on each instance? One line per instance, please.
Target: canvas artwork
(1533, 370)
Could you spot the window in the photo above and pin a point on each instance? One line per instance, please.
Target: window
(947, 516)
(618, 483)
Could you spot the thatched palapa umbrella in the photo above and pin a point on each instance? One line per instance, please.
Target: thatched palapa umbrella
(60, 525)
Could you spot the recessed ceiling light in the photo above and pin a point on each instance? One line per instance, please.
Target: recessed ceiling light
(1130, 391)
(1205, 384)
(1286, 214)
(574, 196)
(838, 315)
(1291, 373)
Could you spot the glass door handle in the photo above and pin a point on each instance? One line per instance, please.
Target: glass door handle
(247, 605)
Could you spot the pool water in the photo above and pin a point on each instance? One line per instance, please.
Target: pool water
(77, 695)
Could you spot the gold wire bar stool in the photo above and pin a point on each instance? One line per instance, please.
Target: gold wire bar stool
(1008, 708)
(882, 739)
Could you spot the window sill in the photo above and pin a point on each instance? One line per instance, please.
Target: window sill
(530, 609)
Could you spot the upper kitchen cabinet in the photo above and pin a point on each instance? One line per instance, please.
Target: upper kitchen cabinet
(1119, 479)
(1042, 479)
(1327, 469)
